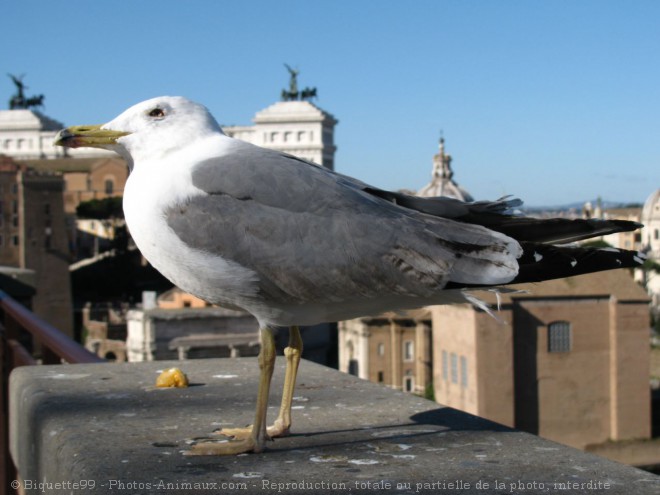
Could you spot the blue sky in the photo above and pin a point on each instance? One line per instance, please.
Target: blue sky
(554, 102)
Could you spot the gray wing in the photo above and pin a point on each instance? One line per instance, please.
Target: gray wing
(250, 166)
(313, 235)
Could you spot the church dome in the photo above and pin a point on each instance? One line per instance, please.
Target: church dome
(651, 210)
(651, 221)
(442, 183)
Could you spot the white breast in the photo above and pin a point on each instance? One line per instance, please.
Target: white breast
(151, 189)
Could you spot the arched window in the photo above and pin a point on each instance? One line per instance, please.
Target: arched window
(109, 186)
(559, 336)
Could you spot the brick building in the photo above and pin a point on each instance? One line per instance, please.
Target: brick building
(33, 236)
(392, 349)
(570, 362)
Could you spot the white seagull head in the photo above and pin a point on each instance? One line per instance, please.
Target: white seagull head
(150, 129)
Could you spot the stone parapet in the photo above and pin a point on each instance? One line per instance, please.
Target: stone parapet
(107, 427)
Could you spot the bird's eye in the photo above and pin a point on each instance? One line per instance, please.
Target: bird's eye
(157, 113)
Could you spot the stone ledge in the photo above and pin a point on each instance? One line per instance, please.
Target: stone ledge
(107, 425)
(644, 452)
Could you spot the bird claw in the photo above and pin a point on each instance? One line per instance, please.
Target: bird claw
(231, 447)
(276, 430)
(240, 441)
(235, 433)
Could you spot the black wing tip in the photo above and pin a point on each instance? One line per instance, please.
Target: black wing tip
(541, 262)
(622, 225)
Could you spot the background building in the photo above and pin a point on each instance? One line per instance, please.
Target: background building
(651, 221)
(299, 128)
(157, 334)
(442, 178)
(651, 246)
(27, 134)
(570, 362)
(33, 236)
(392, 349)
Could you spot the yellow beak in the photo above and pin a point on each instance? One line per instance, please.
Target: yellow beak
(91, 136)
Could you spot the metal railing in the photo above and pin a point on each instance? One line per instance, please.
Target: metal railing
(18, 325)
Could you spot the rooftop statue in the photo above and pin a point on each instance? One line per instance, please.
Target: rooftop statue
(19, 100)
(292, 94)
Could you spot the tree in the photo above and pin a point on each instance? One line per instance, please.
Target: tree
(101, 209)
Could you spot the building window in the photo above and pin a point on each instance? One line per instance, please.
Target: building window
(445, 366)
(48, 235)
(559, 336)
(464, 371)
(14, 240)
(381, 349)
(46, 209)
(454, 368)
(381, 377)
(2, 240)
(408, 350)
(109, 186)
(409, 382)
(14, 206)
(353, 365)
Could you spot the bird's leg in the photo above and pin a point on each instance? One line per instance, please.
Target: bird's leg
(292, 353)
(256, 440)
(281, 426)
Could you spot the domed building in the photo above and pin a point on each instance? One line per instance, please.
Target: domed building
(442, 183)
(651, 243)
(651, 221)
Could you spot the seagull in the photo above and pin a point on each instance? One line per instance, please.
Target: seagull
(294, 243)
